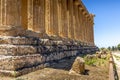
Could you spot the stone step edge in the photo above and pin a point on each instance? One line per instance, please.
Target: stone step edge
(33, 41)
(18, 49)
(18, 40)
(21, 72)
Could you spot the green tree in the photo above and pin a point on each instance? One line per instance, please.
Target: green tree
(109, 48)
(118, 46)
(113, 48)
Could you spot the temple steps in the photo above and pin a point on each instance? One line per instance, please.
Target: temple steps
(18, 40)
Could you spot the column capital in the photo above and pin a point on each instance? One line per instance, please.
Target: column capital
(76, 2)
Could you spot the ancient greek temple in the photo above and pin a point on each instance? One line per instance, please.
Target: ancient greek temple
(34, 33)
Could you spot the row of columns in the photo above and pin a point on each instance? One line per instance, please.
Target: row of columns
(63, 18)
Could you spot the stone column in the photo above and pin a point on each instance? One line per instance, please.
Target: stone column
(79, 24)
(63, 31)
(36, 16)
(87, 35)
(59, 17)
(47, 16)
(51, 13)
(74, 24)
(70, 20)
(24, 14)
(51, 17)
(92, 31)
(10, 20)
(88, 30)
(82, 25)
(0, 13)
(83, 28)
(76, 31)
(92, 35)
(30, 15)
(55, 18)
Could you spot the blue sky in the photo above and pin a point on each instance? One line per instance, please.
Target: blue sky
(107, 21)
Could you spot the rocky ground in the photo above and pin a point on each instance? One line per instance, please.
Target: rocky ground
(60, 71)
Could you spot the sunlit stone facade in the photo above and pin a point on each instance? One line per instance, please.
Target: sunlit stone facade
(30, 29)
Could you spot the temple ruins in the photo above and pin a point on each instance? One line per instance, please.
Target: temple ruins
(36, 32)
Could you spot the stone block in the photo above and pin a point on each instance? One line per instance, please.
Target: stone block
(20, 62)
(78, 66)
(11, 31)
(18, 40)
(7, 49)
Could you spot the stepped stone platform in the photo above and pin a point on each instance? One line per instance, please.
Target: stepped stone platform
(21, 55)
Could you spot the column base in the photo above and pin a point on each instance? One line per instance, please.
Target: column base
(35, 34)
(12, 31)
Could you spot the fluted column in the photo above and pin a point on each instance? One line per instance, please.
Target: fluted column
(63, 23)
(87, 32)
(51, 17)
(30, 15)
(92, 30)
(47, 16)
(10, 20)
(76, 31)
(85, 23)
(80, 25)
(70, 20)
(83, 28)
(36, 16)
(92, 35)
(55, 18)
(24, 14)
(59, 17)
(74, 25)
(0, 13)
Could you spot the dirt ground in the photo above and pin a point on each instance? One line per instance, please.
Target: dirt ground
(60, 71)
